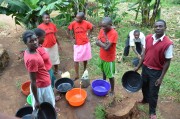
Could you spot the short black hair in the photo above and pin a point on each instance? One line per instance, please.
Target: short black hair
(39, 32)
(26, 35)
(161, 20)
(45, 13)
(136, 31)
(107, 20)
(81, 14)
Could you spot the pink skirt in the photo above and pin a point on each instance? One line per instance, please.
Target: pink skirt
(82, 52)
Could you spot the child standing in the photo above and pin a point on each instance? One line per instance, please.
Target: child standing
(41, 90)
(107, 40)
(50, 43)
(40, 35)
(45, 56)
(82, 49)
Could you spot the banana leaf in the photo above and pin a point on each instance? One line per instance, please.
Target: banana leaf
(32, 4)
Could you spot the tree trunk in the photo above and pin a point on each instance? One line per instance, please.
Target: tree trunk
(145, 13)
(137, 11)
(155, 11)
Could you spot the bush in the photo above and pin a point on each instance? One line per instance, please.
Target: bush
(176, 1)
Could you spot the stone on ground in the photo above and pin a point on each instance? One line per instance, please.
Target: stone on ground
(4, 58)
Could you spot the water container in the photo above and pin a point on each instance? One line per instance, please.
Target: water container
(65, 75)
(85, 79)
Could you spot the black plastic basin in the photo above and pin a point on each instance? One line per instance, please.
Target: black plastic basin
(64, 84)
(132, 81)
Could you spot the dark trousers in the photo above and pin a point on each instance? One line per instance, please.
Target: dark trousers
(126, 49)
(149, 90)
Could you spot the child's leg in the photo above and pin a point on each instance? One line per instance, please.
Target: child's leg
(55, 69)
(112, 84)
(104, 76)
(49, 96)
(53, 78)
(85, 65)
(76, 66)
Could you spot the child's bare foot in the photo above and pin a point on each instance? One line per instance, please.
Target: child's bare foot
(111, 93)
(57, 98)
(57, 109)
(57, 72)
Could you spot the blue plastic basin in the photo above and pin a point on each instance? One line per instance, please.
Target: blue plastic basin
(100, 87)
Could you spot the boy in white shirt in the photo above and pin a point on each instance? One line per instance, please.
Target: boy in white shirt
(135, 40)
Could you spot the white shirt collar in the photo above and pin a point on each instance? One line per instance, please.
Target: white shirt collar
(154, 37)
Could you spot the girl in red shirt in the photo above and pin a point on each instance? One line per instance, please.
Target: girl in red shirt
(82, 47)
(50, 42)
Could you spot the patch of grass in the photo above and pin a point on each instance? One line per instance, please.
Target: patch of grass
(144, 108)
(100, 112)
(169, 3)
(177, 34)
(18, 84)
(171, 85)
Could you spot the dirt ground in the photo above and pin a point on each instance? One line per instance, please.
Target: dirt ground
(12, 99)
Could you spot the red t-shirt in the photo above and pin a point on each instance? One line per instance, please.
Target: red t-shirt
(45, 57)
(50, 38)
(35, 63)
(80, 31)
(108, 55)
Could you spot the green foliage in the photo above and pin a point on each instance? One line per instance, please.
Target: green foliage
(145, 7)
(176, 2)
(171, 83)
(22, 13)
(111, 9)
(28, 12)
(31, 3)
(100, 112)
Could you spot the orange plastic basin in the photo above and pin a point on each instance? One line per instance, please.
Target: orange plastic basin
(25, 88)
(76, 96)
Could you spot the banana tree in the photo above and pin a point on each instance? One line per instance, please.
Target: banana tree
(27, 12)
(145, 7)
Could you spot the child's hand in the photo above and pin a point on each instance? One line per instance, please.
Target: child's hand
(97, 42)
(107, 42)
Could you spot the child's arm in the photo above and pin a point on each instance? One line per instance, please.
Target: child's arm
(90, 32)
(70, 36)
(34, 87)
(105, 45)
(57, 41)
